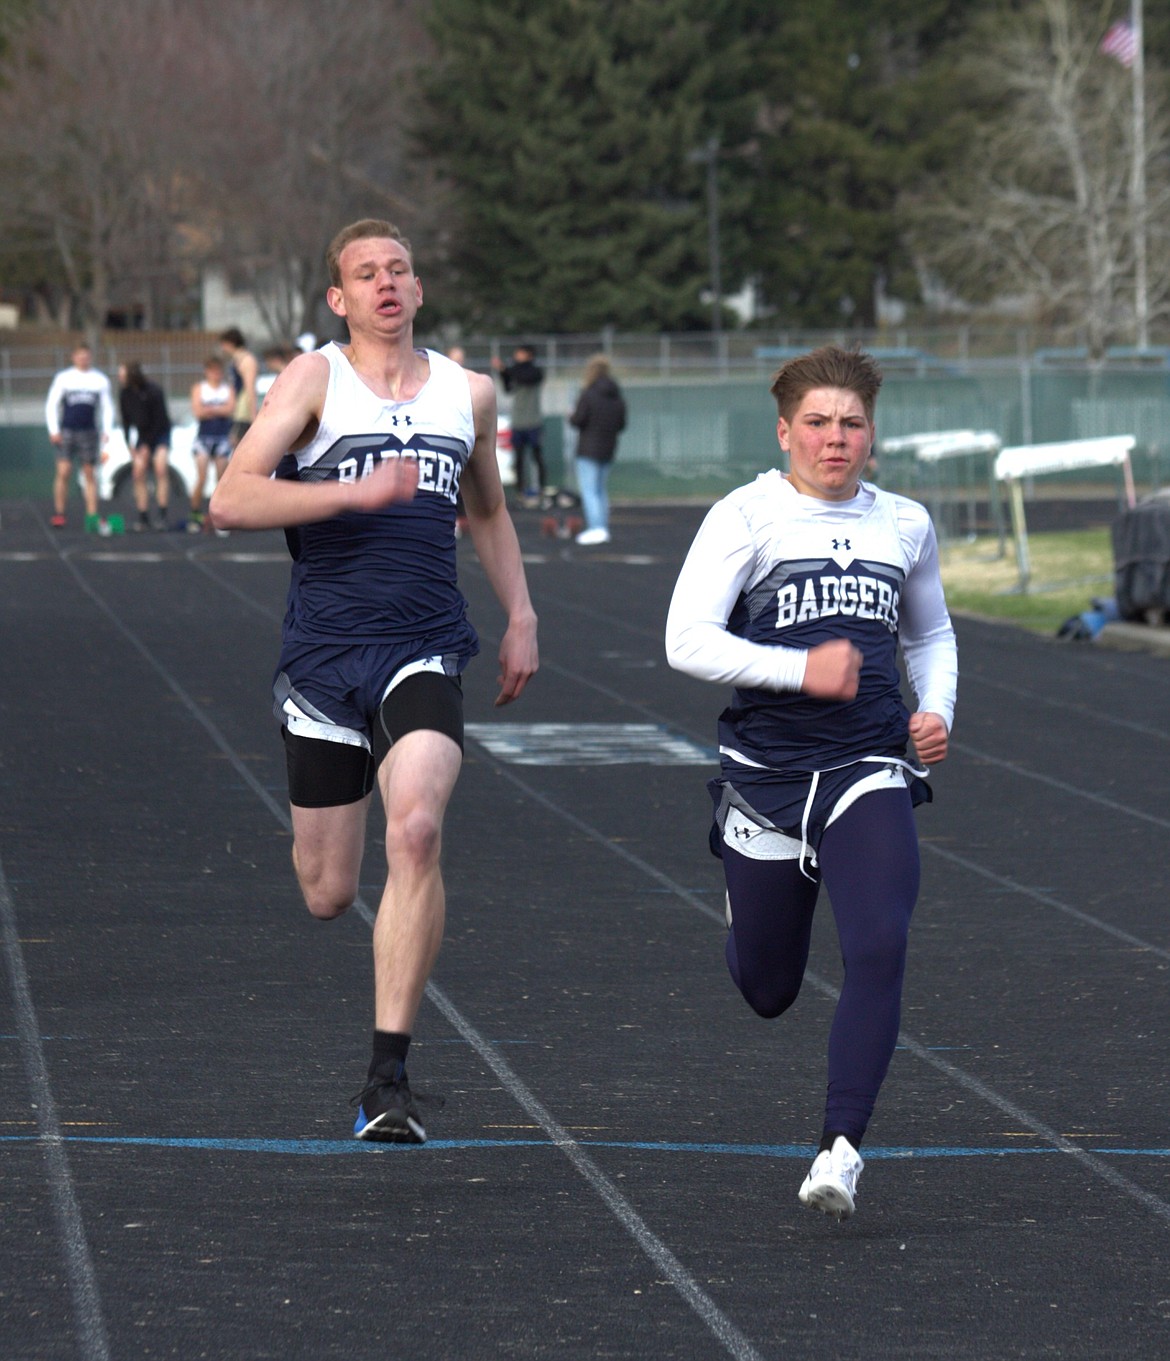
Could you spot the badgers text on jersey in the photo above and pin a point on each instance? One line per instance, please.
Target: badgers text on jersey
(439, 469)
(857, 594)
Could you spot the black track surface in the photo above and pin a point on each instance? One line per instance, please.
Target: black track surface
(615, 1172)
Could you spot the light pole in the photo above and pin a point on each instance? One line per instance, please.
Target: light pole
(708, 155)
(1137, 191)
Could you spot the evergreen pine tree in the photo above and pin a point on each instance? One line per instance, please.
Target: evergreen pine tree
(564, 130)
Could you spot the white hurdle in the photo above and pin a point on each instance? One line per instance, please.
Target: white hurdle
(1016, 462)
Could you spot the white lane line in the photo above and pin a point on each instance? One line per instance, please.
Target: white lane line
(1080, 710)
(975, 1086)
(1039, 896)
(1025, 774)
(733, 1341)
(965, 1080)
(1001, 881)
(971, 866)
(83, 1287)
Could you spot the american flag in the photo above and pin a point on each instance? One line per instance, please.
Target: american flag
(1120, 42)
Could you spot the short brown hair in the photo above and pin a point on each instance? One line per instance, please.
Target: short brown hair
(828, 367)
(362, 230)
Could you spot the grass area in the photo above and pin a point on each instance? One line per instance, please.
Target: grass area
(1068, 570)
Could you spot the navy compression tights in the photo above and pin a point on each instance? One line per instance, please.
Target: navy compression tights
(869, 863)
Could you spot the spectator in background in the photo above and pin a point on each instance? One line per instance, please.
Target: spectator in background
(212, 405)
(523, 378)
(276, 359)
(79, 412)
(244, 372)
(599, 417)
(147, 425)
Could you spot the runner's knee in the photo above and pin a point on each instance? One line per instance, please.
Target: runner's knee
(766, 998)
(879, 956)
(767, 988)
(328, 890)
(413, 838)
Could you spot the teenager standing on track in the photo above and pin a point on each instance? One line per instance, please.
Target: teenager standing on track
(212, 403)
(143, 407)
(79, 413)
(383, 438)
(797, 591)
(244, 371)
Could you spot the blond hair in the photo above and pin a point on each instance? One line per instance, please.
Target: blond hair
(595, 366)
(365, 229)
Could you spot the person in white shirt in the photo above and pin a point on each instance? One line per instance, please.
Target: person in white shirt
(798, 591)
(213, 400)
(79, 413)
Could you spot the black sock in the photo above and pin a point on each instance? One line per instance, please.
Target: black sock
(830, 1137)
(389, 1057)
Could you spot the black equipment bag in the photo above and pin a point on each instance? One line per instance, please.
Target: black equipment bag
(1141, 558)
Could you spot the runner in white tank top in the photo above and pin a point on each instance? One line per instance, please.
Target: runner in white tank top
(372, 442)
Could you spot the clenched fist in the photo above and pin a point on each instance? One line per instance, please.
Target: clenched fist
(832, 670)
(929, 734)
(395, 479)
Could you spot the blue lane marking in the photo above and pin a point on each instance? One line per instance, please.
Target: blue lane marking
(332, 1147)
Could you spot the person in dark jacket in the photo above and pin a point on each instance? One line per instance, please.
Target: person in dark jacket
(147, 426)
(524, 378)
(599, 417)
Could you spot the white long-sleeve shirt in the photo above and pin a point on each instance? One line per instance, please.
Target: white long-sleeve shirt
(79, 399)
(771, 574)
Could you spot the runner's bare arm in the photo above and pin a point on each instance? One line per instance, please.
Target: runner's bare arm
(248, 497)
(494, 536)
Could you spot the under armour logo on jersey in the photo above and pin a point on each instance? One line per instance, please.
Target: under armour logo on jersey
(403, 420)
(842, 543)
(742, 833)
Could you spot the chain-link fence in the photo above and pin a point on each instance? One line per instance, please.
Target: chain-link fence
(701, 418)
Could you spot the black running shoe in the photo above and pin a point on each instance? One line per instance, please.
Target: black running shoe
(387, 1113)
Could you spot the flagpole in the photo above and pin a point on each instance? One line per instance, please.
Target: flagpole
(1137, 183)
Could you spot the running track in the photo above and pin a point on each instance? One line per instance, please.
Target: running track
(615, 1172)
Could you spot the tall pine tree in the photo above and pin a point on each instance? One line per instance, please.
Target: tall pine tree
(565, 130)
(857, 107)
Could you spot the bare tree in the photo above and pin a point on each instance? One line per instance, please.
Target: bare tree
(144, 138)
(314, 97)
(1038, 209)
(91, 147)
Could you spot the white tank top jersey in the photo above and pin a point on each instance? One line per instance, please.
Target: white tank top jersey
(772, 573)
(387, 575)
(215, 394)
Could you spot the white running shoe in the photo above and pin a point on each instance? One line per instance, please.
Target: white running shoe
(831, 1184)
(588, 537)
